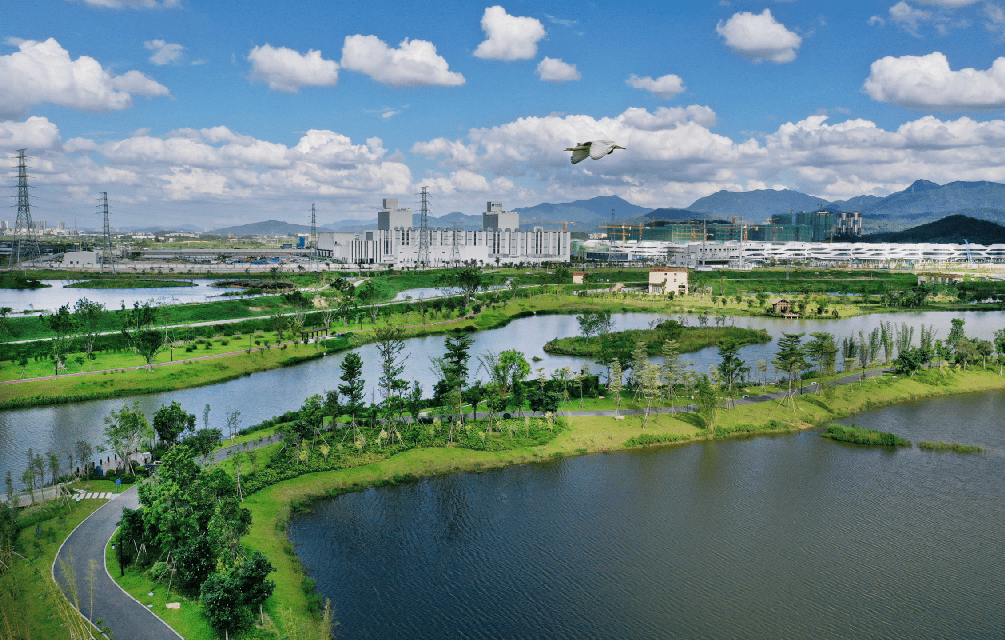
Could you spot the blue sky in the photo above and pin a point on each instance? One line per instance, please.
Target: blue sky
(219, 113)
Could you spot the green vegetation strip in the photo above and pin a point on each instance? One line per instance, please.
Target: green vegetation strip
(859, 435)
(128, 284)
(690, 339)
(955, 447)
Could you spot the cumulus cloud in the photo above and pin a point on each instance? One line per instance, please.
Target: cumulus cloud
(674, 158)
(164, 53)
(928, 82)
(35, 133)
(509, 37)
(759, 37)
(44, 72)
(556, 70)
(414, 63)
(663, 87)
(288, 70)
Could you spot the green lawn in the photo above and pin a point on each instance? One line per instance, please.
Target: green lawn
(30, 604)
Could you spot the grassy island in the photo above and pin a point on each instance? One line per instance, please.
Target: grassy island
(128, 283)
(955, 447)
(690, 339)
(859, 435)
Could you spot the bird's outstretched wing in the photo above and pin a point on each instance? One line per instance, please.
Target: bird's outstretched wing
(580, 154)
(600, 148)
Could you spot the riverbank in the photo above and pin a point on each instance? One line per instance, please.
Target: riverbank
(127, 283)
(272, 507)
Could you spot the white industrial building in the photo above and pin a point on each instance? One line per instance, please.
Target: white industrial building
(739, 255)
(396, 241)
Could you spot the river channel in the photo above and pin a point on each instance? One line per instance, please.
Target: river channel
(264, 395)
(790, 536)
(52, 298)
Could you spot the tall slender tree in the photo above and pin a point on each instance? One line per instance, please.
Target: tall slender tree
(791, 359)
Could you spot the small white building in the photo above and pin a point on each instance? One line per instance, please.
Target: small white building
(80, 259)
(667, 280)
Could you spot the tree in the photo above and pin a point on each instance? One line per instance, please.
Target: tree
(650, 383)
(5, 327)
(790, 358)
(506, 370)
(203, 442)
(147, 343)
(453, 371)
(221, 604)
(823, 350)
(615, 383)
(352, 387)
(468, 279)
(594, 323)
(233, 422)
(127, 431)
(999, 343)
(707, 403)
(84, 452)
(87, 315)
(171, 421)
(731, 367)
(62, 323)
(53, 459)
(390, 344)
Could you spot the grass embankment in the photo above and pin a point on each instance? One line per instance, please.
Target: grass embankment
(30, 603)
(860, 435)
(127, 283)
(690, 339)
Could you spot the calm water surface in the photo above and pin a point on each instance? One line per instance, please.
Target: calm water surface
(52, 298)
(776, 537)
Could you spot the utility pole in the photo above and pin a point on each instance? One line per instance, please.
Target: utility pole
(25, 239)
(423, 257)
(107, 236)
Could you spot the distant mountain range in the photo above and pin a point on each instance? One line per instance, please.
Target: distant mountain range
(949, 230)
(922, 202)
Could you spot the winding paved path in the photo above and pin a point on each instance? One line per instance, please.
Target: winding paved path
(127, 618)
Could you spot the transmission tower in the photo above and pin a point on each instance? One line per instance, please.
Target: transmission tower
(423, 259)
(25, 239)
(106, 236)
(455, 252)
(314, 233)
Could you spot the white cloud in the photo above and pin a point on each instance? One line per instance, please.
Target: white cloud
(35, 133)
(663, 87)
(43, 72)
(760, 37)
(556, 70)
(672, 157)
(164, 53)
(908, 18)
(134, 4)
(509, 37)
(288, 70)
(414, 63)
(994, 18)
(927, 82)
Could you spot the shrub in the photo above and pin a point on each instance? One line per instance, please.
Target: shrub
(859, 435)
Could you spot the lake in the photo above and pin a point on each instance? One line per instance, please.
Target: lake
(52, 298)
(790, 536)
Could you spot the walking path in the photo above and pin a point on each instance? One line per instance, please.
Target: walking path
(124, 615)
(128, 618)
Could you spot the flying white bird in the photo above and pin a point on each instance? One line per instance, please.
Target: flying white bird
(595, 149)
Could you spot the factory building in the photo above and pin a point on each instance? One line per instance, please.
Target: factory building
(396, 241)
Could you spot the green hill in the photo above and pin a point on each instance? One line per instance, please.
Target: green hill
(949, 230)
